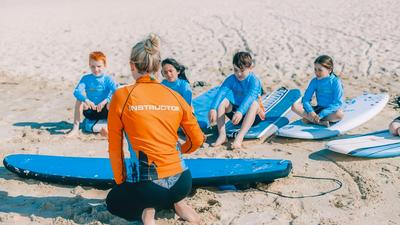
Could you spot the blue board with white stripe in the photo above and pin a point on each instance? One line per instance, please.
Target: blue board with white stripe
(97, 171)
(277, 105)
(379, 144)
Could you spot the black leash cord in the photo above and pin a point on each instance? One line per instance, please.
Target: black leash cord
(338, 182)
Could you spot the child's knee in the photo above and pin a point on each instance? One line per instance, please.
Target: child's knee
(339, 114)
(225, 104)
(296, 106)
(255, 104)
(393, 126)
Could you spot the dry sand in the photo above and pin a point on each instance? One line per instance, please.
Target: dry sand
(44, 47)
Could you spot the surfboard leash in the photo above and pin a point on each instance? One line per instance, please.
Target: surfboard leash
(338, 182)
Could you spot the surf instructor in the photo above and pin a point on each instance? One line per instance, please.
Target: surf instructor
(149, 115)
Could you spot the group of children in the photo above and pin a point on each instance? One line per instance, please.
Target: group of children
(93, 94)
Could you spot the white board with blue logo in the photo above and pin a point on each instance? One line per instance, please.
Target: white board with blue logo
(381, 144)
(356, 112)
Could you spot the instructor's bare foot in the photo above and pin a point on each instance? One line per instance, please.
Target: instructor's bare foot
(220, 141)
(148, 216)
(186, 212)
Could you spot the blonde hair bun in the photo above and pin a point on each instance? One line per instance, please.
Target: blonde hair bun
(152, 44)
(146, 55)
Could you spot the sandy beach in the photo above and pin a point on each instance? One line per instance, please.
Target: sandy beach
(44, 47)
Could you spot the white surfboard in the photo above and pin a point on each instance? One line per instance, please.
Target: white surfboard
(356, 112)
(379, 144)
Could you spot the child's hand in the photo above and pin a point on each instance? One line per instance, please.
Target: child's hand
(90, 104)
(315, 117)
(237, 117)
(101, 105)
(212, 116)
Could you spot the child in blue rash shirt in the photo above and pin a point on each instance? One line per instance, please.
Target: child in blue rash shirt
(175, 78)
(329, 92)
(245, 107)
(93, 93)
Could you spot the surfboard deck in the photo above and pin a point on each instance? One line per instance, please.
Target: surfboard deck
(379, 144)
(97, 171)
(356, 112)
(277, 106)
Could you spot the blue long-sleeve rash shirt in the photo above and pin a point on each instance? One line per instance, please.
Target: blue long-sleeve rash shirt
(95, 88)
(244, 92)
(182, 87)
(329, 93)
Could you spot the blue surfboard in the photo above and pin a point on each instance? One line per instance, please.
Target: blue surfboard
(277, 105)
(97, 171)
(202, 105)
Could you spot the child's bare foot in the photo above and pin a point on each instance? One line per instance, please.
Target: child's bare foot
(324, 123)
(73, 132)
(220, 141)
(236, 146)
(104, 132)
(186, 212)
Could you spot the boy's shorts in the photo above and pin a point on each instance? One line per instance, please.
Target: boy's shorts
(94, 115)
(230, 114)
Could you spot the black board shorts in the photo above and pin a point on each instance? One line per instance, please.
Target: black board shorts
(128, 200)
(94, 115)
(230, 114)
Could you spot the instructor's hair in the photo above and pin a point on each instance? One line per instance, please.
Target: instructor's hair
(179, 67)
(98, 56)
(325, 61)
(146, 55)
(242, 60)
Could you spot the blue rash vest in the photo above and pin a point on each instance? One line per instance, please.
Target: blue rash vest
(95, 88)
(244, 92)
(182, 87)
(329, 93)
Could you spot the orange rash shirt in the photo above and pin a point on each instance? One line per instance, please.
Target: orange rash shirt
(150, 114)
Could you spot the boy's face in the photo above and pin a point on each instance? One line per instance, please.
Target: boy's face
(321, 71)
(241, 73)
(97, 67)
(169, 72)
